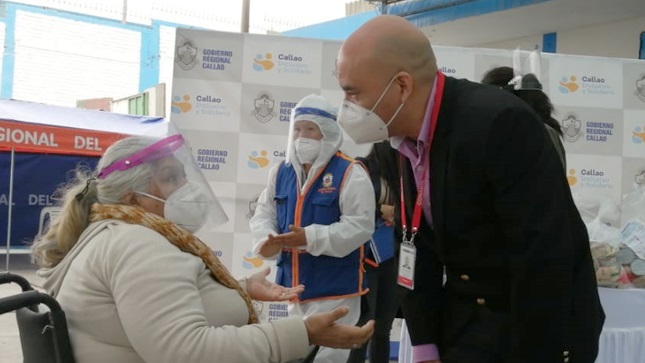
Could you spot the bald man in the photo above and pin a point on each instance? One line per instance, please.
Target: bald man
(493, 210)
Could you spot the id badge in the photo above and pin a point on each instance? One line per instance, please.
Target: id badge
(406, 265)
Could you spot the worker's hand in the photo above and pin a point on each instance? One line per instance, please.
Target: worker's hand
(270, 247)
(295, 238)
(387, 213)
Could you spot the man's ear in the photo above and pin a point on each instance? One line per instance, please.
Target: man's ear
(406, 84)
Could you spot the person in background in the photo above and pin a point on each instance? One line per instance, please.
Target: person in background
(137, 285)
(529, 89)
(382, 301)
(314, 217)
(482, 201)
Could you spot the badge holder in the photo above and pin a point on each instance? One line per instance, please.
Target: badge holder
(407, 262)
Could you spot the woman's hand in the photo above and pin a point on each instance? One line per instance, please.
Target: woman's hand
(261, 289)
(323, 330)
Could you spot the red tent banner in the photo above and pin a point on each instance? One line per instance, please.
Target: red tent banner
(35, 138)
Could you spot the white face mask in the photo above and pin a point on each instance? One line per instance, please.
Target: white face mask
(187, 206)
(307, 150)
(363, 125)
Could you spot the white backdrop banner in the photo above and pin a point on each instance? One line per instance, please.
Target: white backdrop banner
(232, 95)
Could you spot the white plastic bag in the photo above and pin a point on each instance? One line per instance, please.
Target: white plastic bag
(633, 206)
(605, 243)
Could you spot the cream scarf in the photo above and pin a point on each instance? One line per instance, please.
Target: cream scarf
(179, 237)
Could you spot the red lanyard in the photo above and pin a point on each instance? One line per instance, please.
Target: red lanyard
(416, 216)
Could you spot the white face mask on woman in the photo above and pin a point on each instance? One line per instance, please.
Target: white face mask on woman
(187, 206)
(363, 125)
(307, 150)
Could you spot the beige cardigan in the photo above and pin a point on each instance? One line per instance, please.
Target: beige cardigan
(131, 297)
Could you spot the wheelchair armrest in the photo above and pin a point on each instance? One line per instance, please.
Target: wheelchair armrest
(8, 277)
(28, 299)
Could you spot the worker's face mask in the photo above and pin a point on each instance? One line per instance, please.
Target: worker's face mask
(307, 150)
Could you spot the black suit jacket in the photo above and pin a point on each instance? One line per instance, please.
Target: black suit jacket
(505, 232)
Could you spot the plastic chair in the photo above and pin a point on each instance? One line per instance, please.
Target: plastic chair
(47, 217)
(43, 334)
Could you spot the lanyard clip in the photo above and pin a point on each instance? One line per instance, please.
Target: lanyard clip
(406, 240)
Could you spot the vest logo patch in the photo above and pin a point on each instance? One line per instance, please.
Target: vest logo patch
(327, 182)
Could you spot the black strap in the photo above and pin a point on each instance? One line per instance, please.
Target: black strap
(312, 355)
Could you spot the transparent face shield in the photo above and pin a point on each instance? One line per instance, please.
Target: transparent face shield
(184, 196)
(291, 157)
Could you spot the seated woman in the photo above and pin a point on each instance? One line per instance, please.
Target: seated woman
(138, 286)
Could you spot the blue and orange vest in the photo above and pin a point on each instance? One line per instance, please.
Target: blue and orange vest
(323, 276)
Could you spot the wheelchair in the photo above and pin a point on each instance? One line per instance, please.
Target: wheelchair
(44, 337)
(43, 333)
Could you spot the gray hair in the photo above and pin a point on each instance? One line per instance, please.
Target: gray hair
(79, 194)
